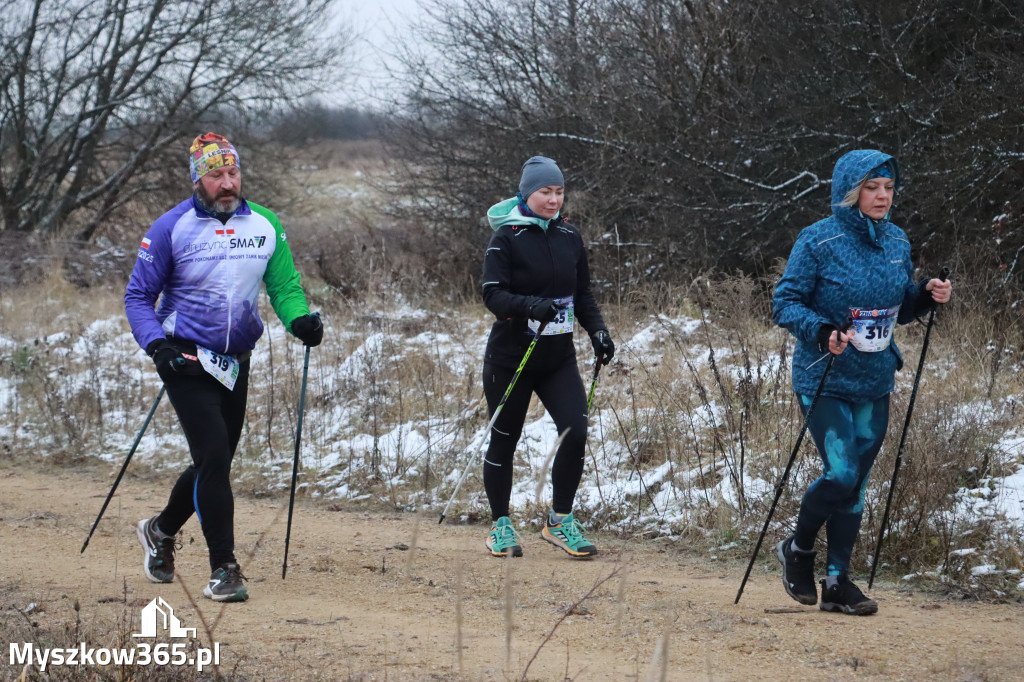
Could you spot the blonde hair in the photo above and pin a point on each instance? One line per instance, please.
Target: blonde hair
(852, 197)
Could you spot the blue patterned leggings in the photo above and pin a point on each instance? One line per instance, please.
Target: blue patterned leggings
(848, 436)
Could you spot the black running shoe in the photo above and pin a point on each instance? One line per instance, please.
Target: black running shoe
(159, 562)
(798, 572)
(846, 597)
(226, 584)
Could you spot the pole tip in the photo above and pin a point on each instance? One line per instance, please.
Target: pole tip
(441, 520)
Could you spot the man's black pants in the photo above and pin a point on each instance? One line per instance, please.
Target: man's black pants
(211, 417)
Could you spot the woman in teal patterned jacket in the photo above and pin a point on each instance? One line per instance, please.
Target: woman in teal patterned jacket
(848, 282)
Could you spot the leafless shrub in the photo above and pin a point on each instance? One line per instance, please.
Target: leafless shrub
(93, 95)
(696, 136)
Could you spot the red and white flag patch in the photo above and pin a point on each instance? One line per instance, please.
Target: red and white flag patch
(145, 242)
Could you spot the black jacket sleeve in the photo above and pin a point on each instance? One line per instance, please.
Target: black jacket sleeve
(497, 280)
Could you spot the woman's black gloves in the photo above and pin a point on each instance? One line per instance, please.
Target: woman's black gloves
(604, 349)
(824, 332)
(544, 310)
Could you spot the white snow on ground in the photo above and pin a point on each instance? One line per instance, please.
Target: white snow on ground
(1010, 495)
(350, 452)
(985, 569)
(645, 345)
(1009, 491)
(999, 496)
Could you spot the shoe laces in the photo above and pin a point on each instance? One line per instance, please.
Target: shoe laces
(165, 548)
(507, 533)
(572, 529)
(233, 573)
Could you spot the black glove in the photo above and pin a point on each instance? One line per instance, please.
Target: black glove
(824, 333)
(544, 310)
(165, 355)
(604, 349)
(309, 329)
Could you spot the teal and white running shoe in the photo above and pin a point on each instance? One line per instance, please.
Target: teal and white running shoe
(568, 536)
(503, 539)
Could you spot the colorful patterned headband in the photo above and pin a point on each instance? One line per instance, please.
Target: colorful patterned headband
(210, 151)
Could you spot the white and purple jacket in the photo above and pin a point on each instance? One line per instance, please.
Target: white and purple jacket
(209, 274)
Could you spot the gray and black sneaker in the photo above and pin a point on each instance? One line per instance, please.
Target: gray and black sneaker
(798, 572)
(159, 562)
(226, 584)
(846, 597)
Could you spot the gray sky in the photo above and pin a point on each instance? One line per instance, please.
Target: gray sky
(378, 22)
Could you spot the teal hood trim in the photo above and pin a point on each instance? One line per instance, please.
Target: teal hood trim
(507, 213)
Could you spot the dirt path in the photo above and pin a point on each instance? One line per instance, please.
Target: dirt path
(353, 607)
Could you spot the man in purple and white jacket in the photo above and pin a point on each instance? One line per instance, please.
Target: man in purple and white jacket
(204, 259)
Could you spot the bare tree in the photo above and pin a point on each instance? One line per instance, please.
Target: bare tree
(92, 91)
(709, 129)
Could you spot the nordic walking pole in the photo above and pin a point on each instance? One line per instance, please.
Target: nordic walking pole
(494, 417)
(785, 474)
(124, 466)
(295, 462)
(943, 274)
(593, 384)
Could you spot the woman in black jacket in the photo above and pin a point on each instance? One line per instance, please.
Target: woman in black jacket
(535, 272)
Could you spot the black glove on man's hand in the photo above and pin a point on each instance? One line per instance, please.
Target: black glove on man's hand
(604, 349)
(309, 329)
(544, 310)
(165, 355)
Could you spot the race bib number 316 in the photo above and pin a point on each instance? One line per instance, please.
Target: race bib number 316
(872, 329)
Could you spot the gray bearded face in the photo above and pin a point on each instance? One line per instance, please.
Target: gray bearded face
(226, 201)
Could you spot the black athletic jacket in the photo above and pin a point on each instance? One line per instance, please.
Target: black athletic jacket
(522, 264)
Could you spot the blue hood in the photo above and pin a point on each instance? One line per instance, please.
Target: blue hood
(850, 169)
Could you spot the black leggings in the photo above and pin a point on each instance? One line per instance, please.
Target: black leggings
(211, 417)
(561, 392)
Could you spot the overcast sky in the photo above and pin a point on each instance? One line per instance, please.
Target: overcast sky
(378, 22)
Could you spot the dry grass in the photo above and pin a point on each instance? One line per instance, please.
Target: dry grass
(59, 625)
(698, 419)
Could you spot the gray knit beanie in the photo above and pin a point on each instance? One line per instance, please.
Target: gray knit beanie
(539, 171)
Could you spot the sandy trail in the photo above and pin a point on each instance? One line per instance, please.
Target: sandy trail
(357, 606)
